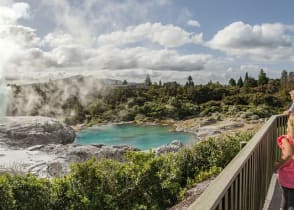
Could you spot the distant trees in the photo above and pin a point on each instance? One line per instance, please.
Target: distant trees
(287, 80)
(249, 81)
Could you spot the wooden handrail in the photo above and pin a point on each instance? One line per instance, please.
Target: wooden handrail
(243, 184)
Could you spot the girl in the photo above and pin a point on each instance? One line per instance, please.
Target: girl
(286, 166)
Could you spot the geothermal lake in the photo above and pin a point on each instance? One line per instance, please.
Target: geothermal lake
(143, 137)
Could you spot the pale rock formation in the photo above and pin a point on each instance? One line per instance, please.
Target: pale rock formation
(27, 131)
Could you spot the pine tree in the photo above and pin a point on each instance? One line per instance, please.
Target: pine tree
(262, 79)
(290, 80)
(284, 79)
(190, 82)
(246, 78)
(240, 82)
(148, 80)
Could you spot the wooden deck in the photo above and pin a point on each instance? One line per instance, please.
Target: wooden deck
(273, 198)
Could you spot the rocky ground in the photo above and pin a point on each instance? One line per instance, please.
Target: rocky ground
(203, 127)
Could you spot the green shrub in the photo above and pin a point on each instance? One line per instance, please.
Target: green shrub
(6, 194)
(30, 192)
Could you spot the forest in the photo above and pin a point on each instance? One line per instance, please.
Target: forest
(247, 97)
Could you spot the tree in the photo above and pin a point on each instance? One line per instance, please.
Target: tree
(240, 82)
(249, 81)
(245, 82)
(262, 78)
(290, 80)
(232, 82)
(284, 79)
(160, 83)
(190, 82)
(148, 80)
(125, 82)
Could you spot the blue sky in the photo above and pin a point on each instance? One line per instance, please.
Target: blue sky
(127, 39)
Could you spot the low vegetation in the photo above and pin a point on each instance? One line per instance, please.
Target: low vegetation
(141, 181)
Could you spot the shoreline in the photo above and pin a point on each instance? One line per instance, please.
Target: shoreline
(199, 127)
(81, 126)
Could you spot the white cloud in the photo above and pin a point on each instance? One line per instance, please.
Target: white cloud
(13, 38)
(19, 35)
(193, 23)
(120, 54)
(165, 35)
(106, 58)
(9, 15)
(250, 68)
(89, 37)
(132, 58)
(29, 60)
(265, 41)
(85, 19)
(58, 38)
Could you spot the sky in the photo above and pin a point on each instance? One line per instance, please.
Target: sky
(128, 39)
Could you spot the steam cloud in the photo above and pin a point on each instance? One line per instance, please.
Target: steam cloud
(49, 99)
(13, 39)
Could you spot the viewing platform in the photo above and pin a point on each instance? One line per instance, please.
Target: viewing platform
(248, 182)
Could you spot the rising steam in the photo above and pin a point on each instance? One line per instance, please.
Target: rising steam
(11, 41)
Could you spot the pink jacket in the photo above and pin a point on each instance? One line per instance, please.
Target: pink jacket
(286, 171)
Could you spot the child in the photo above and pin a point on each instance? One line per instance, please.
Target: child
(286, 167)
(291, 109)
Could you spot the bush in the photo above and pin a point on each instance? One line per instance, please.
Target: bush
(25, 192)
(6, 194)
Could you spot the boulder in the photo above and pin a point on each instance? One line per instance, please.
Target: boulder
(27, 131)
(174, 146)
(208, 131)
(78, 153)
(54, 160)
(64, 155)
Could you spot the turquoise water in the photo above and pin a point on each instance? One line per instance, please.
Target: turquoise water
(139, 136)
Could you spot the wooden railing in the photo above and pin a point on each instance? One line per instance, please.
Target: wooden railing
(244, 183)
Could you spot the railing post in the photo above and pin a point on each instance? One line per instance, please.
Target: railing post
(242, 144)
